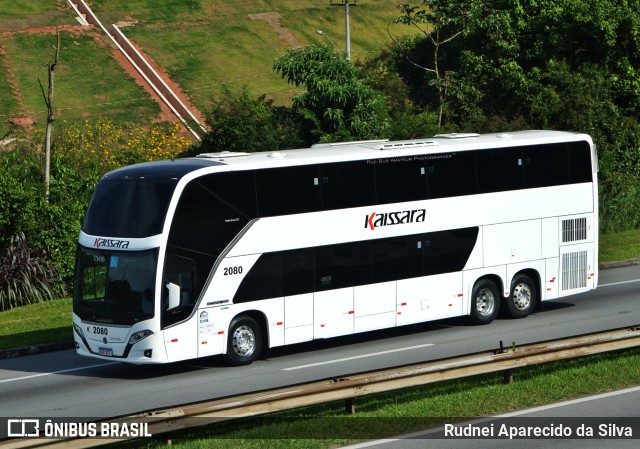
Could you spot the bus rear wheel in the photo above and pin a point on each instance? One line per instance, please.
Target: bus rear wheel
(245, 341)
(523, 297)
(485, 302)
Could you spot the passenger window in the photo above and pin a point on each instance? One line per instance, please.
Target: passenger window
(398, 258)
(546, 165)
(341, 266)
(448, 251)
(452, 174)
(500, 170)
(263, 281)
(235, 189)
(289, 190)
(298, 271)
(347, 184)
(400, 179)
(580, 162)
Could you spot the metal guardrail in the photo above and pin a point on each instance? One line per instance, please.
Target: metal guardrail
(351, 387)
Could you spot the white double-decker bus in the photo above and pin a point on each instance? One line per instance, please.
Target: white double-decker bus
(231, 253)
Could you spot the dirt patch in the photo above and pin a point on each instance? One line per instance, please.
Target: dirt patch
(25, 122)
(165, 112)
(47, 30)
(273, 19)
(48, 18)
(11, 80)
(182, 96)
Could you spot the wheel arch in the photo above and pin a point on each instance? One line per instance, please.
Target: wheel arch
(535, 277)
(496, 279)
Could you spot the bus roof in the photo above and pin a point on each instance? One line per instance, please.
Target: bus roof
(374, 149)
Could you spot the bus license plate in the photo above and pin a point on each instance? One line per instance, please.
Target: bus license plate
(106, 351)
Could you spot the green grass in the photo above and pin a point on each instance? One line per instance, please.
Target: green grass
(203, 45)
(417, 408)
(33, 13)
(620, 246)
(46, 322)
(88, 81)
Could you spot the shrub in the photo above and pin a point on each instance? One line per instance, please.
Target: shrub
(242, 123)
(26, 277)
(620, 203)
(94, 147)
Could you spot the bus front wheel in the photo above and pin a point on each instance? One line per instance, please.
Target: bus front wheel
(245, 341)
(485, 302)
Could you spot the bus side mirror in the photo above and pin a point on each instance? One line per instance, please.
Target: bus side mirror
(174, 296)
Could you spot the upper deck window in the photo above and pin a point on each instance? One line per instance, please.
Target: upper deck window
(128, 207)
(132, 201)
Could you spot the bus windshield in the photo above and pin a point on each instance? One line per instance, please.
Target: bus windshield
(115, 287)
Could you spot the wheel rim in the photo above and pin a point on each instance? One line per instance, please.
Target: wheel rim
(485, 302)
(522, 296)
(244, 341)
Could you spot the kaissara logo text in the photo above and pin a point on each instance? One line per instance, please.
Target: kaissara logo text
(376, 220)
(111, 243)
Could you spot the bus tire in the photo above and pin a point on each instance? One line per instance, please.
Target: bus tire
(485, 302)
(245, 341)
(523, 297)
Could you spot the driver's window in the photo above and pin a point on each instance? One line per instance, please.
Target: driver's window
(180, 271)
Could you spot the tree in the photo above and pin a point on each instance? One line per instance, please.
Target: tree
(48, 99)
(558, 64)
(337, 104)
(241, 123)
(440, 21)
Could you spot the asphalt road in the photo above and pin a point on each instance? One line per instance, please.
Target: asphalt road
(61, 384)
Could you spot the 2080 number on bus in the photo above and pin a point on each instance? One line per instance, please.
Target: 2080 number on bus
(229, 271)
(100, 330)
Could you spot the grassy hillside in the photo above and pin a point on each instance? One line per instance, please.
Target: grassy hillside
(202, 44)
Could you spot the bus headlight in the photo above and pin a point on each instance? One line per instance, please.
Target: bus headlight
(136, 337)
(78, 330)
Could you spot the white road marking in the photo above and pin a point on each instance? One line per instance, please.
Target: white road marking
(374, 354)
(56, 372)
(570, 402)
(619, 283)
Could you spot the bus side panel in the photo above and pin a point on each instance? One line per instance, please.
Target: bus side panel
(552, 279)
(333, 312)
(298, 318)
(550, 242)
(179, 340)
(429, 298)
(512, 242)
(212, 336)
(577, 269)
(476, 258)
(374, 306)
(274, 312)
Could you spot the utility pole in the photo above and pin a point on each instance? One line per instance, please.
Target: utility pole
(346, 4)
(48, 100)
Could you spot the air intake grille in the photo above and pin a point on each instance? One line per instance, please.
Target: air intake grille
(574, 270)
(574, 229)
